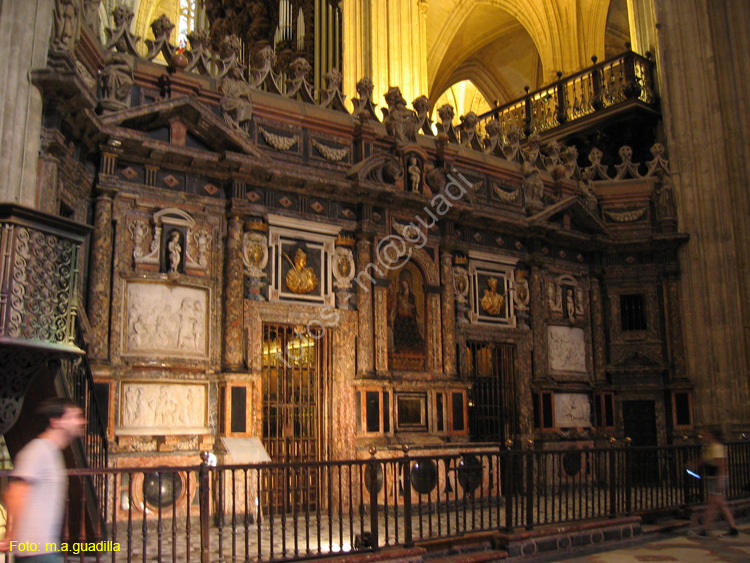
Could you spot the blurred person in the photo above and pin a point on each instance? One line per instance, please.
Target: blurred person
(714, 464)
(37, 492)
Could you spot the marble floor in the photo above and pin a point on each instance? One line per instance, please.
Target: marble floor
(681, 547)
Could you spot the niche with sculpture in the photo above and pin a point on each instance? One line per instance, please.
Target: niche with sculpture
(407, 315)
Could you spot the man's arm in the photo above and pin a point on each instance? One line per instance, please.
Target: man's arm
(15, 503)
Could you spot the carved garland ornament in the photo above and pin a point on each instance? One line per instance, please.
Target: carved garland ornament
(331, 153)
(505, 197)
(277, 141)
(626, 216)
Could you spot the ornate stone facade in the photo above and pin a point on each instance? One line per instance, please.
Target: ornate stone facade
(223, 259)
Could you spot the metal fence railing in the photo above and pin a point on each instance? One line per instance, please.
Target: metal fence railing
(276, 512)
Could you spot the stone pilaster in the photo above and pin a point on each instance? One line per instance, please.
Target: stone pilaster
(538, 308)
(448, 313)
(100, 274)
(381, 327)
(596, 307)
(674, 320)
(24, 36)
(365, 335)
(233, 295)
(435, 335)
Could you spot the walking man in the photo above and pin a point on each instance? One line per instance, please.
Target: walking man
(36, 496)
(714, 462)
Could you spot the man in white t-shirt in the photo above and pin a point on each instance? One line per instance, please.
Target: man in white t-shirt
(714, 462)
(35, 498)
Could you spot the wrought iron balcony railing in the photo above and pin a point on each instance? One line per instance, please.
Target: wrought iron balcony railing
(625, 77)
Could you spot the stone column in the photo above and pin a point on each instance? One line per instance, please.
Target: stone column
(365, 335)
(538, 309)
(380, 314)
(233, 295)
(596, 306)
(24, 36)
(100, 273)
(448, 320)
(708, 136)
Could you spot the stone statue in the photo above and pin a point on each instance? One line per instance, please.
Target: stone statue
(300, 278)
(570, 304)
(492, 301)
(67, 23)
(586, 189)
(399, 121)
(116, 80)
(533, 186)
(554, 299)
(422, 106)
(175, 251)
(415, 174)
(664, 197)
(237, 102)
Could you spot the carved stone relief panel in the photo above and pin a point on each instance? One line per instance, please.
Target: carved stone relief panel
(572, 410)
(566, 349)
(163, 408)
(165, 320)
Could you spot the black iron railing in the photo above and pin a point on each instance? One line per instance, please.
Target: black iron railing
(205, 513)
(79, 386)
(627, 76)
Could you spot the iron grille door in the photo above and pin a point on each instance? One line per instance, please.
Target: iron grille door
(492, 399)
(296, 380)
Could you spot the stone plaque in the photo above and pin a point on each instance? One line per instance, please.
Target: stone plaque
(163, 320)
(567, 349)
(162, 408)
(572, 410)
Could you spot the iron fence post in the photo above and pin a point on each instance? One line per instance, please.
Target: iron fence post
(628, 476)
(204, 500)
(373, 488)
(408, 538)
(506, 466)
(612, 479)
(529, 462)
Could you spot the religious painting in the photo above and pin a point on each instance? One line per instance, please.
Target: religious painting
(406, 318)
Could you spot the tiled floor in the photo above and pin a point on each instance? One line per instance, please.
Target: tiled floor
(681, 547)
